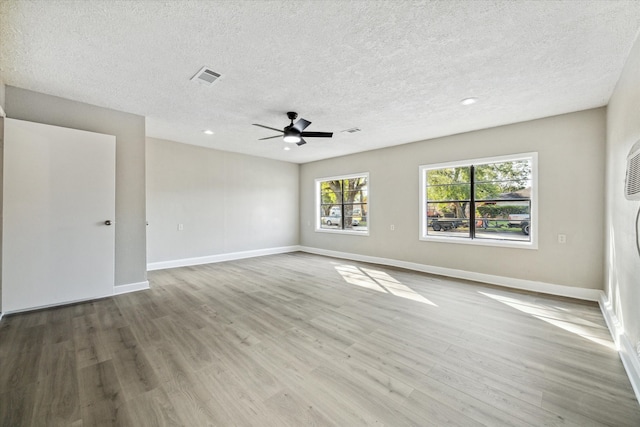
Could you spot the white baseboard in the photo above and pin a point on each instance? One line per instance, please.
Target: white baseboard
(628, 354)
(185, 262)
(509, 282)
(57, 304)
(130, 287)
(117, 290)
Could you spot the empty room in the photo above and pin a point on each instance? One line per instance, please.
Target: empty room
(319, 213)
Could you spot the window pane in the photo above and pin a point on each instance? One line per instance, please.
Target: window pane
(355, 217)
(449, 192)
(360, 216)
(330, 192)
(503, 190)
(330, 216)
(354, 190)
(448, 219)
(504, 220)
(496, 179)
(459, 175)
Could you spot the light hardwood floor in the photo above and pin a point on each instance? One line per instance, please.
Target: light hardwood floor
(305, 340)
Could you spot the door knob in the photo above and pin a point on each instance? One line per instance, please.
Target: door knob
(107, 222)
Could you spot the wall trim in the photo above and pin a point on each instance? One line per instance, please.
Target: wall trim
(231, 256)
(130, 287)
(117, 290)
(628, 355)
(509, 282)
(57, 304)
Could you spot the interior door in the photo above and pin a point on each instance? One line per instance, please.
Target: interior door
(59, 197)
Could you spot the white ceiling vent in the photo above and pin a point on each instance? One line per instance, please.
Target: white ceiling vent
(205, 76)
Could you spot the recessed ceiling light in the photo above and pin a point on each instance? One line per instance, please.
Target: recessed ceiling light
(208, 132)
(287, 148)
(469, 101)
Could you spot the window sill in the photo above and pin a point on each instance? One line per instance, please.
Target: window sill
(481, 242)
(349, 232)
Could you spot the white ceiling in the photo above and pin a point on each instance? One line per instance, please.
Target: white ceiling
(395, 69)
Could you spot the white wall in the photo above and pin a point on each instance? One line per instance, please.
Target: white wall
(622, 259)
(129, 129)
(571, 193)
(226, 202)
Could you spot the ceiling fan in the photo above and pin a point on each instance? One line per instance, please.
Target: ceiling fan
(294, 133)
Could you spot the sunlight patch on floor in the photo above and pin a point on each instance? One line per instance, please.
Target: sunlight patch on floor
(379, 281)
(561, 319)
(355, 276)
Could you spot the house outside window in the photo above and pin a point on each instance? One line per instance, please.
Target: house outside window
(342, 204)
(490, 201)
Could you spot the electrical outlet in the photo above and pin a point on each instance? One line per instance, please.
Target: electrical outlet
(392, 227)
(562, 238)
(180, 227)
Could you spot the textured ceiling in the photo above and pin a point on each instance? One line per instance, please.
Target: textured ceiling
(395, 69)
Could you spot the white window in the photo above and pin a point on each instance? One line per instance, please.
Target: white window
(491, 201)
(342, 204)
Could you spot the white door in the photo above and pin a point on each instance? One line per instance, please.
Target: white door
(59, 190)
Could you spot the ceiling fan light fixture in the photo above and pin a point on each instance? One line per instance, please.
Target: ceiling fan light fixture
(292, 135)
(292, 139)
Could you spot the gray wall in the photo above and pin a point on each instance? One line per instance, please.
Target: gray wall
(2, 90)
(226, 202)
(571, 151)
(129, 129)
(1, 197)
(622, 258)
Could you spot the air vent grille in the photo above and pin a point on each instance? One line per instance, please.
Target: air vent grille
(206, 76)
(352, 130)
(632, 185)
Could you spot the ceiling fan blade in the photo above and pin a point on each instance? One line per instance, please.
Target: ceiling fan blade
(267, 127)
(317, 134)
(302, 142)
(301, 124)
(270, 137)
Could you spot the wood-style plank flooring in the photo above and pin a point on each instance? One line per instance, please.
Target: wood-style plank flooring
(305, 340)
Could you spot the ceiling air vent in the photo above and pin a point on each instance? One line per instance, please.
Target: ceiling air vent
(632, 183)
(205, 76)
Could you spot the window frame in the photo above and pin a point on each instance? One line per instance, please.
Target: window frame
(318, 203)
(422, 208)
